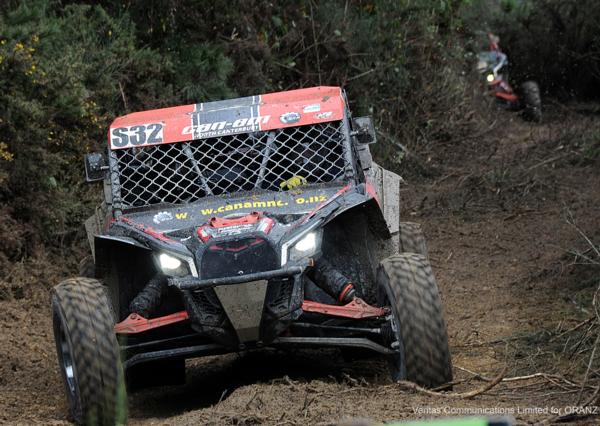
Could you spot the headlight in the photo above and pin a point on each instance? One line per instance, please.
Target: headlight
(305, 247)
(490, 78)
(173, 266)
(307, 244)
(168, 262)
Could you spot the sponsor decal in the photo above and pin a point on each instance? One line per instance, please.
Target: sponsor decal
(289, 117)
(162, 217)
(245, 205)
(223, 128)
(143, 134)
(312, 108)
(181, 216)
(323, 115)
(235, 229)
(313, 199)
(310, 200)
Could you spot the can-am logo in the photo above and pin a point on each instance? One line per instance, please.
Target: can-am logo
(224, 127)
(290, 117)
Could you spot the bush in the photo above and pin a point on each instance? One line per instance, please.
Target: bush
(65, 74)
(400, 61)
(67, 69)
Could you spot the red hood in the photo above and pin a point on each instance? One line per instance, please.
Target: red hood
(228, 117)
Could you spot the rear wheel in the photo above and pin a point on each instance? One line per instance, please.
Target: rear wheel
(532, 101)
(88, 352)
(406, 284)
(412, 239)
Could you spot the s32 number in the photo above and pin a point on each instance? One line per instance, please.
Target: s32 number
(143, 134)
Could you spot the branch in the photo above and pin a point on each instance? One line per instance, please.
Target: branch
(462, 395)
(123, 97)
(571, 221)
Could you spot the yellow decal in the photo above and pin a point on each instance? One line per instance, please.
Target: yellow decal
(309, 200)
(180, 216)
(261, 204)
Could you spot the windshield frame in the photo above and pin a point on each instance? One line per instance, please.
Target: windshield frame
(349, 174)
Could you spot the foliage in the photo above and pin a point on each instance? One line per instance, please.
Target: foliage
(400, 61)
(66, 72)
(68, 68)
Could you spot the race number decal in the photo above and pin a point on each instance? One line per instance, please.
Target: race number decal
(144, 134)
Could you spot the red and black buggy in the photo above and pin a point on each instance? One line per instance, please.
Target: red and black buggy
(241, 224)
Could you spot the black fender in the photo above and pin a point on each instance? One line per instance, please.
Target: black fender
(354, 202)
(125, 266)
(107, 246)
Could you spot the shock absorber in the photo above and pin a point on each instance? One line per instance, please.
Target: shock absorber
(333, 282)
(150, 297)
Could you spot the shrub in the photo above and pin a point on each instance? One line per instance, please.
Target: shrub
(67, 69)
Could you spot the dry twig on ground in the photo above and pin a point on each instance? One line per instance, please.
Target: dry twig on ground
(463, 395)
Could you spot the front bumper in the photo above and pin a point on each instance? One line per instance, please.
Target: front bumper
(191, 283)
(241, 309)
(239, 312)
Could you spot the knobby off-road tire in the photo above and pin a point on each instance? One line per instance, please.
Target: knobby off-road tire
(412, 239)
(532, 101)
(406, 283)
(87, 268)
(88, 352)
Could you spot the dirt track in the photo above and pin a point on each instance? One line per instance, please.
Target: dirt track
(494, 215)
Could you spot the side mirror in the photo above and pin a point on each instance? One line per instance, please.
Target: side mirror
(95, 167)
(363, 130)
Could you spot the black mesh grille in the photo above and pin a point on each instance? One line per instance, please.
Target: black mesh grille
(209, 302)
(204, 307)
(187, 171)
(245, 256)
(279, 295)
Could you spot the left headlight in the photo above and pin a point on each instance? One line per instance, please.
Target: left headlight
(305, 246)
(173, 266)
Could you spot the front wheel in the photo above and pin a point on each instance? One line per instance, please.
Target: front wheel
(87, 268)
(406, 283)
(532, 101)
(88, 352)
(412, 239)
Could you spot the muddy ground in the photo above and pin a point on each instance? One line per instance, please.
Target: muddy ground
(494, 209)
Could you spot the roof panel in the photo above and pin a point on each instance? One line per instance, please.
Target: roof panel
(241, 115)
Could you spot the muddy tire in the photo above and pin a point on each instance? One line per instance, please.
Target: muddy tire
(406, 284)
(532, 101)
(87, 268)
(412, 239)
(88, 352)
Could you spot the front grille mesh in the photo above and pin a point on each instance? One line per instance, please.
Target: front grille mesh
(279, 295)
(187, 171)
(204, 307)
(238, 257)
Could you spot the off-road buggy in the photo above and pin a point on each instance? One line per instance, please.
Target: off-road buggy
(242, 224)
(493, 65)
